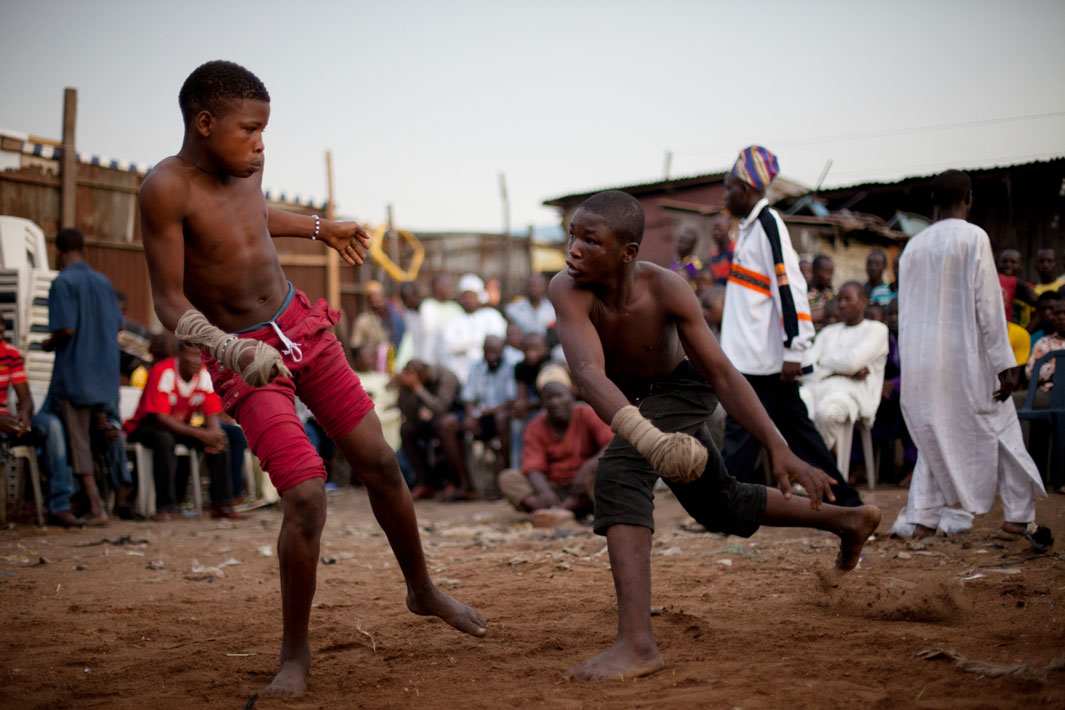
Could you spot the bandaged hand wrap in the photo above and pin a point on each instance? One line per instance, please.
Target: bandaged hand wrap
(677, 456)
(226, 348)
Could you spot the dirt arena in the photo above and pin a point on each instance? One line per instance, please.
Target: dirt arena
(186, 615)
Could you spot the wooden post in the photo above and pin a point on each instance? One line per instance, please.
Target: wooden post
(507, 255)
(529, 248)
(393, 242)
(332, 263)
(69, 162)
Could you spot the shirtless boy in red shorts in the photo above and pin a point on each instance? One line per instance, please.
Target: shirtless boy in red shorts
(218, 284)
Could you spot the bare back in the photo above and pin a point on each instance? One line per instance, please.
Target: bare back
(231, 271)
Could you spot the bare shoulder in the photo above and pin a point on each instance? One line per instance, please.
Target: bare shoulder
(566, 296)
(166, 188)
(666, 287)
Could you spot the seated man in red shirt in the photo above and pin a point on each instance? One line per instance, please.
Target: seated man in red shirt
(562, 449)
(179, 406)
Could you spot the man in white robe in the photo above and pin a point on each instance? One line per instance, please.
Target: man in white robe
(958, 372)
(461, 340)
(848, 359)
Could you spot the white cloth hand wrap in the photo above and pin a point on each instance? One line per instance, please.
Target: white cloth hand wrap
(267, 363)
(677, 456)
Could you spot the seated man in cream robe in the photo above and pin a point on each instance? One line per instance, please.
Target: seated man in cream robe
(848, 360)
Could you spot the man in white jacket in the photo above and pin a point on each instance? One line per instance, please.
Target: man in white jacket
(766, 330)
(848, 359)
(956, 380)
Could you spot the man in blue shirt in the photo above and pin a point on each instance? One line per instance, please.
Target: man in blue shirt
(84, 319)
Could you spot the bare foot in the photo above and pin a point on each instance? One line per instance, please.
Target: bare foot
(619, 663)
(436, 603)
(96, 520)
(862, 522)
(291, 680)
(920, 532)
(420, 492)
(1014, 528)
(447, 492)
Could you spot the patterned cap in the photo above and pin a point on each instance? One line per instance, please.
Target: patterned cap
(756, 166)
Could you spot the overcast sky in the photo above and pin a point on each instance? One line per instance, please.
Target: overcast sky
(424, 103)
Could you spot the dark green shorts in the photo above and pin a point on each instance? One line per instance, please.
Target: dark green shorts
(624, 480)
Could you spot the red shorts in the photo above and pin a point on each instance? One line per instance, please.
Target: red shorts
(322, 380)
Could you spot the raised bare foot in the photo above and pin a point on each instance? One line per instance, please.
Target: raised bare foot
(920, 532)
(619, 662)
(862, 522)
(291, 680)
(436, 603)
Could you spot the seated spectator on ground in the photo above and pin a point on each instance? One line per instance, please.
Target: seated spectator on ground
(462, 339)
(486, 399)
(1037, 433)
(427, 394)
(712, 301)
(533, 311)
(562, 449)
(379, 327)
(889, 425)
(133, 340)
(820, 289)
(848, 360)
(179, 406)
(721, 258)
(685, 263)
(1042, 320)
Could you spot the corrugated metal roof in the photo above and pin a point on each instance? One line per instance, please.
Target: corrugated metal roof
(974, 171)
(643, 187)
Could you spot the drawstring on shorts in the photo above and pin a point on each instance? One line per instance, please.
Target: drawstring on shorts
(292, 350)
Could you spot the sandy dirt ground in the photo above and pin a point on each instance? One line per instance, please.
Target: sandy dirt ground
(186, 615)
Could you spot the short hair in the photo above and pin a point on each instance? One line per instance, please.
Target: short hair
(622, 212)
(856, 286)
(820, 259)
(1040, 250)
(877, 252)
(214, 85)
(950, 188)
(1047, 296)
(69, 240)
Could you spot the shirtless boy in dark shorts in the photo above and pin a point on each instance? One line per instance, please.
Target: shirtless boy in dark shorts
(634, 334)
(218, 284)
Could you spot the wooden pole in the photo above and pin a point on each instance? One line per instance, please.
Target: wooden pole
(69, 162)
(507, 254)
(393, 241)
(332, 259)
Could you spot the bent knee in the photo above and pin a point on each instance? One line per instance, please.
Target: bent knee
(304, 506)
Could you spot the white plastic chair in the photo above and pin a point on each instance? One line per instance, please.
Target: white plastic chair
(142, 457)
(12, 456)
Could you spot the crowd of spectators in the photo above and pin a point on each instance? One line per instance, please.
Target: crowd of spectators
(451, 369)
(857, 370)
